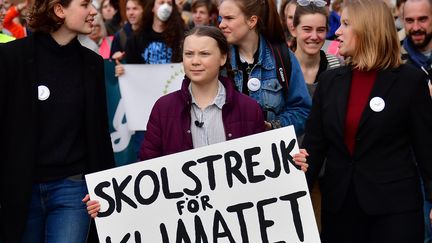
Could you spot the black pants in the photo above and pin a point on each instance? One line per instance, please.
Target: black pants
(352, 225)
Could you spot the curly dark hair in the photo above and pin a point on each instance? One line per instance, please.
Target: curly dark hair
(174, 28)
(42, 17)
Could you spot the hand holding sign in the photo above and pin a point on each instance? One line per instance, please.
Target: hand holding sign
(300, 159)
(93, 206)
(244, 190)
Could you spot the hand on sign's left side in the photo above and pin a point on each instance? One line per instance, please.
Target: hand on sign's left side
(267, 125)
(300, 159)
(93, 206)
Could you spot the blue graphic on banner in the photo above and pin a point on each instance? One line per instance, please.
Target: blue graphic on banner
(121, 136)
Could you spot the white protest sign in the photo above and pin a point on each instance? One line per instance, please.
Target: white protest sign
(243, 190)
(142, 84)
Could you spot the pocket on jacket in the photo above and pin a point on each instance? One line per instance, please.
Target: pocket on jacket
(273, 98)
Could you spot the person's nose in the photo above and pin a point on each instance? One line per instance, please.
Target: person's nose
(195, 60)
(339, 31)
(314, 35)
(93, 10)
(222, 24)
(416, 25)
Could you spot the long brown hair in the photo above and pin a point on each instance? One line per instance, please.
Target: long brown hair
(174, 28)
(269, 23)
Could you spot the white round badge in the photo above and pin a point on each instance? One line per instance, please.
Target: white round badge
(43, 92)
(254, 84)
(377, 104)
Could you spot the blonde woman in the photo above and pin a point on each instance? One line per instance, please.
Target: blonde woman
(371, 121)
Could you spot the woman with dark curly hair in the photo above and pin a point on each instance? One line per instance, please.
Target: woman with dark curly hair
(156, 42)
(158, 39)
(54, 125)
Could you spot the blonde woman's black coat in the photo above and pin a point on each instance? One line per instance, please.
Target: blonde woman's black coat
(391, 148)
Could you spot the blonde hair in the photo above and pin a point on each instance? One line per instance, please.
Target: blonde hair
(377, 43)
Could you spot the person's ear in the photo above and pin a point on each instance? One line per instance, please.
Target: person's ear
(294, 32)
(59, 11)
(252, 22)
(223, 60)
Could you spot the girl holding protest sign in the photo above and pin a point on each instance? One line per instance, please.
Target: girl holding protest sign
(206, 110)
(54, 125)
(371, 122)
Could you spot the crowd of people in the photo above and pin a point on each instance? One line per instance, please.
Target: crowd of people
(353, 77)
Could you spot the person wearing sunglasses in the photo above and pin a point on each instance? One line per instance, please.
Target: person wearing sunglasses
(310, 28)
(317, 3)
(252, 27)
(371, 122)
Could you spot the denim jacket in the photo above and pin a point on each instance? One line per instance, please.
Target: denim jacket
(280, 112)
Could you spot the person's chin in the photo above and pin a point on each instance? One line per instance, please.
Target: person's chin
(85, 32)
(342, 52)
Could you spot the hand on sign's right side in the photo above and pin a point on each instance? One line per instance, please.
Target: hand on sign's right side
(93, 206)
(301, 160)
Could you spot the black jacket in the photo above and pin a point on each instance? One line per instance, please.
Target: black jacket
(18, 109)
(392, 146)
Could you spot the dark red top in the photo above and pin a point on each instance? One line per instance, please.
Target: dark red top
(361, 87)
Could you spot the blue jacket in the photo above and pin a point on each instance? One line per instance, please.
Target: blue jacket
(117, 43)
(334, 23)
(292, 111)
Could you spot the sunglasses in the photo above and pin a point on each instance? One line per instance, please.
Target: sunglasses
(317, 3)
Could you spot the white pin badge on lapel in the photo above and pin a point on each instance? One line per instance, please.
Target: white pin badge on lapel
(254, 84)
(377, 104)
(43, 92)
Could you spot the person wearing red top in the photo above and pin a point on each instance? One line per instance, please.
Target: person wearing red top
(371, 122)
(13, 26)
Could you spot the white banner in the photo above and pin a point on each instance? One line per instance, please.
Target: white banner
(243, 190)
(142, 84)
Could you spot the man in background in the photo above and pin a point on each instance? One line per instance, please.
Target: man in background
(417, 49)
